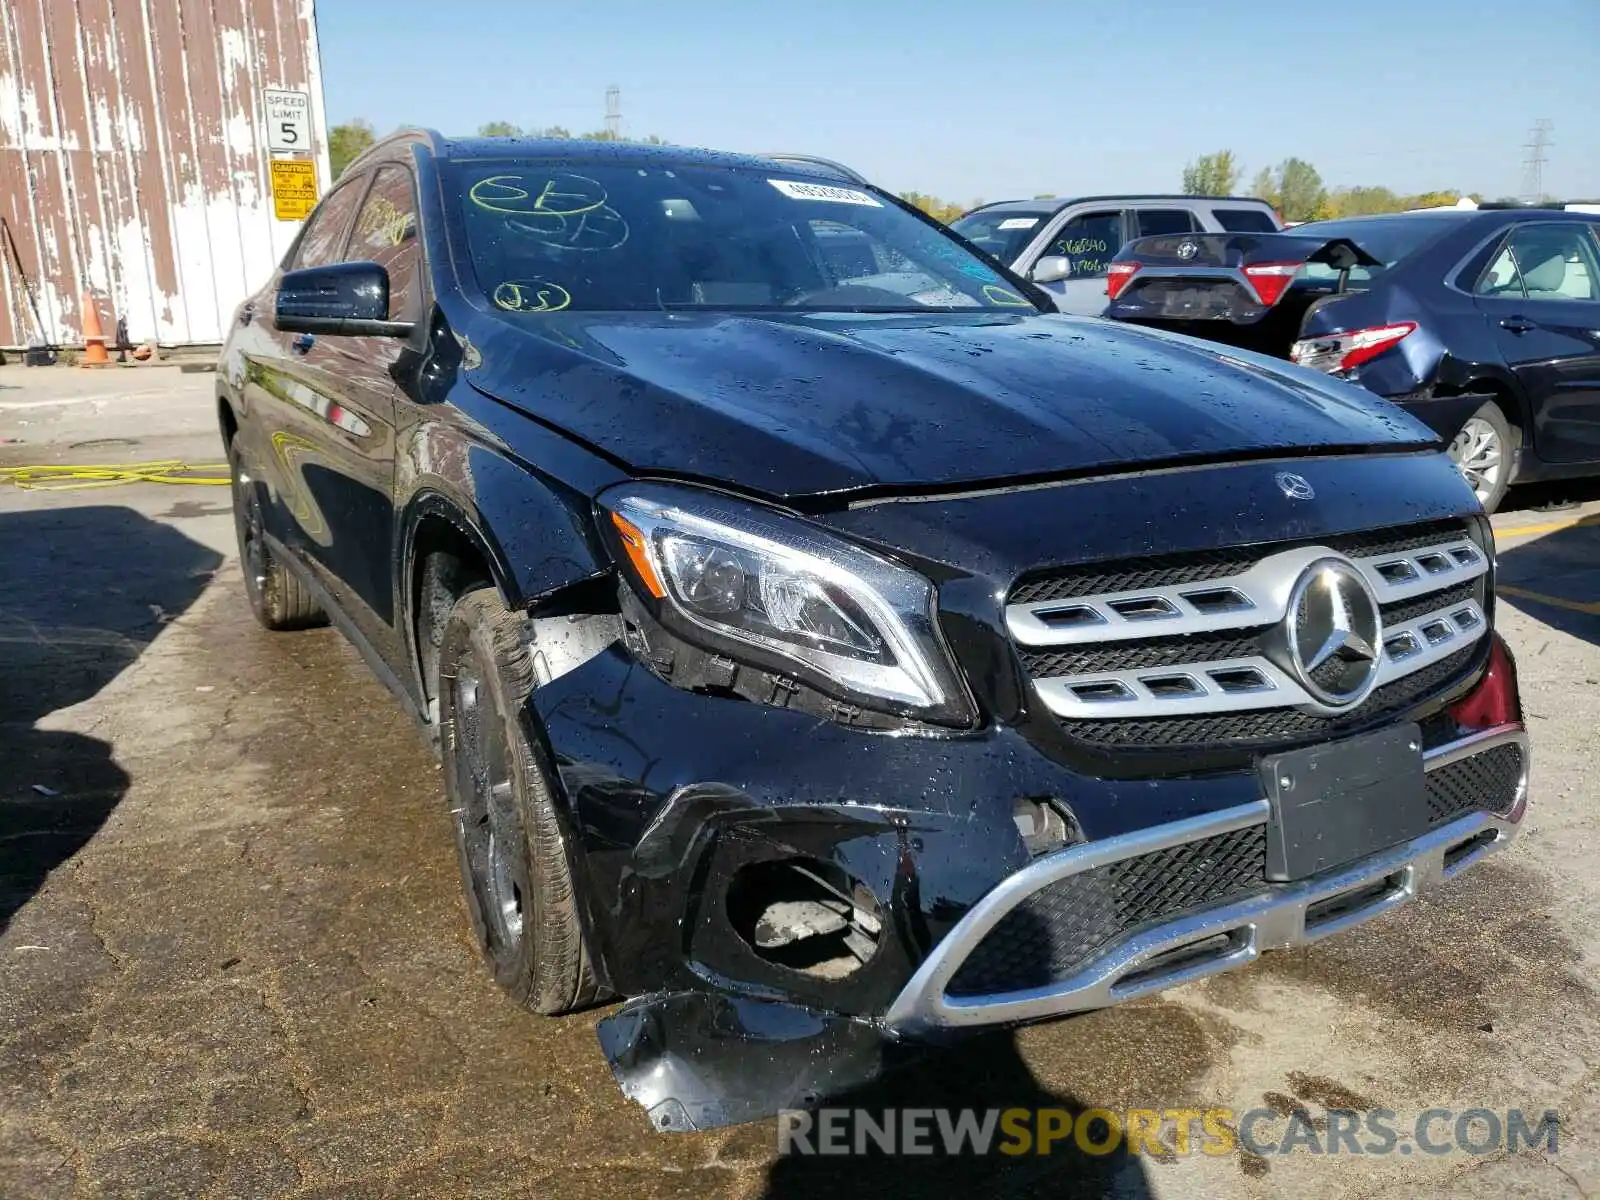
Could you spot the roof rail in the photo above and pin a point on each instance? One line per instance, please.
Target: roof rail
(811, 160)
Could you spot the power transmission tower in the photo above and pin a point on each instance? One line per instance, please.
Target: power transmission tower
(614, 112)
(1533, 165)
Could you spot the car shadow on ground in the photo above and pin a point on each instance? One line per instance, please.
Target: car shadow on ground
(1039, 1141)
(1553, 575)
(971, 1078)
(83, 590)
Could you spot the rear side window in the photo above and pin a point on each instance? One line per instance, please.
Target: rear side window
(323, 239)
(1500, 277)
(1088, 241)
(1244, 220)
(1153, 221)
(386, 233)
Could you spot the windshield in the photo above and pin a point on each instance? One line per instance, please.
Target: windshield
(547, 235)
(1003, 233)
(1388, 239)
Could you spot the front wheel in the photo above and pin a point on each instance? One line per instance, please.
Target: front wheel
(513, 859)
(277, 597)
(1483, 452)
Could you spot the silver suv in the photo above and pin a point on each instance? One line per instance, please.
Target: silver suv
(1064, 244)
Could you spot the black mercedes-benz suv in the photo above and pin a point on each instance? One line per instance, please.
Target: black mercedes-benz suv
(827, 646)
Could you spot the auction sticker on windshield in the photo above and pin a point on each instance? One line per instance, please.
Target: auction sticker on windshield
(821, 191)
(1018, 223)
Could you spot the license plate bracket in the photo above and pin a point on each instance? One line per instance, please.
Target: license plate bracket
(1335, 803)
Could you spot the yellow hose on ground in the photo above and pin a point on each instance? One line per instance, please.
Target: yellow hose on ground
(69, 477)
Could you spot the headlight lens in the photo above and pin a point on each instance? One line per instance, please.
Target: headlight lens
(848, 620)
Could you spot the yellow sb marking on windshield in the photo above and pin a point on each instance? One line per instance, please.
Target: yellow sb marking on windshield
(597, 229)
(999, 295)
(565, 212)
(531, 296)
(562, 195)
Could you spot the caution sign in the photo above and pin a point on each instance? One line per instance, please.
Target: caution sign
(294, 188)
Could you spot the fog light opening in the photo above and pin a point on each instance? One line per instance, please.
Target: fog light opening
(806, 915)
(1043, 826)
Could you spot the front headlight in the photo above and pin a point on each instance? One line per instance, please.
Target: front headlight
(770, 589)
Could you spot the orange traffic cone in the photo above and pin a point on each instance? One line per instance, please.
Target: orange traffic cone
(94, 338)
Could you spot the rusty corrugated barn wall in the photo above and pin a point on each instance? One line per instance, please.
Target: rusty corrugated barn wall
(133, 159)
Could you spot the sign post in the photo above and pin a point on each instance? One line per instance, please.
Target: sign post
(294, 179)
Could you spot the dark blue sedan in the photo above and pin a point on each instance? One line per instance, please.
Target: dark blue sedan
(1485, 324)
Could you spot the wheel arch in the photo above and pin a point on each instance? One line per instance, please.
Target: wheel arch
(227, 420)
(1493, 383)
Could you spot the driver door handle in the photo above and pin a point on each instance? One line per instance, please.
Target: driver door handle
(1517, 324)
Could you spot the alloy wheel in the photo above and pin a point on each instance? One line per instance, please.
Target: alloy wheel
(251, 529)
(490, 825)
(1480, 457)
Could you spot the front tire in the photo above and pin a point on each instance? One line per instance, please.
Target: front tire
(513, 859)
(1482, 451)
(277, 597)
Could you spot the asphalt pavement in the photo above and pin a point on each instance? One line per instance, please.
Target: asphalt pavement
(234, 962)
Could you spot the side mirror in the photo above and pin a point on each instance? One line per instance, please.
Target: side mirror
(349, 298)
(1052, 268)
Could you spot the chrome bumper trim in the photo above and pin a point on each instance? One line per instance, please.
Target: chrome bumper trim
(1274, 919)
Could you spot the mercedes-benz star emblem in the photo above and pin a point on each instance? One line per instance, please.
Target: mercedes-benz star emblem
(1187, 250)
(1334, 633)
(1296, 487)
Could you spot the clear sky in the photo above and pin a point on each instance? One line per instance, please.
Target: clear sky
(1010, 98)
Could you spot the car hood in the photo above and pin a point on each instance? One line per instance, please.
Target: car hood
(821, 403)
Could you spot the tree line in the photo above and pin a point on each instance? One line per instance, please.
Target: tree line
(1295, 189)
(347, 141)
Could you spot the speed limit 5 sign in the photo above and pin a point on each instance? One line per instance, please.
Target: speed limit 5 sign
(288, 120)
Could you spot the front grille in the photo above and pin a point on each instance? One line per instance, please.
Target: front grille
(1421, 606)
(1485, 782)
(1065, 924)
(1167, 569)
(1266, 725)
(1186, 651)
(1042, 663)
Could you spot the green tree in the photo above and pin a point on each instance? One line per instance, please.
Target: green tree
(499, 129)
(1360, 202)
(1212, 174)
(1265, 187)
(346, 142)
(1432, 199)
(1300, 190)
(939, 210)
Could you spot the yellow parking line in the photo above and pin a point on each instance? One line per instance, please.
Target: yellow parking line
(1593, 609)
(1547, 527)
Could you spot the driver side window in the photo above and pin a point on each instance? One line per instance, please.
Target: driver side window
(386, 233)
(1088, 241)
(323, 239)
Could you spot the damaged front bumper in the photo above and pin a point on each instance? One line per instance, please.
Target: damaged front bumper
(1187, 943)
(674, 800)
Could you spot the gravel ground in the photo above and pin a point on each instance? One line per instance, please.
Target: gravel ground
(232, 958)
